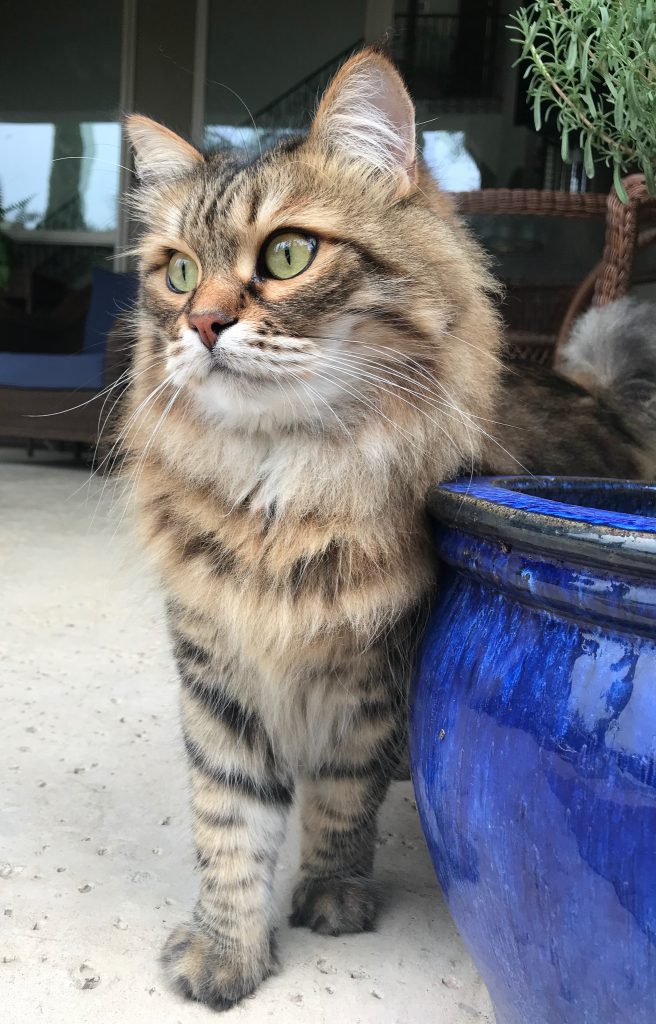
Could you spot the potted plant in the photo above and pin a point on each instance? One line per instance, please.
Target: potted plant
(592, 65)
(533, 742)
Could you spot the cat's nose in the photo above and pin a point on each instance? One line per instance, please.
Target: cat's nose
(210, 325)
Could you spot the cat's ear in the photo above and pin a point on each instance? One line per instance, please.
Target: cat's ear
(366, 115)
(158, 152)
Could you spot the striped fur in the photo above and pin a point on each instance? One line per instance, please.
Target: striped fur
(280, 483)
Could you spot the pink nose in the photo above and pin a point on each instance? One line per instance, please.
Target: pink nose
(210, 325)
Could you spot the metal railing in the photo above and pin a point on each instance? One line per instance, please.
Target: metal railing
(291, 111)
(294, 108)
(450, 57)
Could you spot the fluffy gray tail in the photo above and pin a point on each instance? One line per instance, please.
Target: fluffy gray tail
(611, 352)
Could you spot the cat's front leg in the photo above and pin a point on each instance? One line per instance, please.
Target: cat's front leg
(336, 892)
(240, 802)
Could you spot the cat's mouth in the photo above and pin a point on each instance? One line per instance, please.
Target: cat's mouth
(220, 366)
(242, 365)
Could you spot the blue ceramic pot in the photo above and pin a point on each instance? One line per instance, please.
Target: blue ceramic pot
(533, 742)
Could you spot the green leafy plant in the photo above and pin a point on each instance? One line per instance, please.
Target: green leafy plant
(594, 64)
(21, 216)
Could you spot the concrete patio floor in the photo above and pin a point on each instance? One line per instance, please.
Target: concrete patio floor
(95, 857)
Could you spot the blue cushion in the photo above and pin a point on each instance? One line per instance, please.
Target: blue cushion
(111, 295)
(83, 371)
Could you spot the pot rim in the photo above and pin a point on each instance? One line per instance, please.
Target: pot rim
(501, 508)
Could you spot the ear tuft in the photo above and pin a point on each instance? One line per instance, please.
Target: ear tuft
(366, 114)
(158, 152)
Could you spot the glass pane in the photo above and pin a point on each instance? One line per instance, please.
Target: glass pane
(60, 71)
(76, 190)
(59, 134)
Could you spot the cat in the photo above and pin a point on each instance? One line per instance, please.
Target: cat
(596, 415)
(317, 345)
(611, 352)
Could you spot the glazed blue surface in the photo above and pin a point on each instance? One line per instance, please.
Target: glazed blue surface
(619, 504)
(533, 750)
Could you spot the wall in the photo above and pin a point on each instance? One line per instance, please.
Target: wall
(40, 40)
(163, 83)
(259, 49)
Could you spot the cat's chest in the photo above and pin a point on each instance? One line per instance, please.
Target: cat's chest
(285, 543)
(284, 475)
(260, 540)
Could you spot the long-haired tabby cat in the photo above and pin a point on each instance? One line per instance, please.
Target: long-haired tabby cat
(316, 347)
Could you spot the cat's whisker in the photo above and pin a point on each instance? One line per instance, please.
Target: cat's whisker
(371, 405)
(125, 378)
(395, 355)
(475, 347)
(340, 422)
(111, 164)
(138, 471)
(72, 408)
(132, 250)
(109, 477)
(402, 357)
(311, 394)
(376, 380)
(425, 394)
(144, 402)
(407, 360)
(117, 447)
(97, 466)
(467, 419)
(485, 433)
(222, 85)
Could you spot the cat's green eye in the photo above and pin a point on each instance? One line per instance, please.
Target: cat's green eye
(182, 274)
(288, 254)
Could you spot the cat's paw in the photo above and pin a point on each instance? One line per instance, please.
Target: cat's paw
(333, 906)
(199, 968)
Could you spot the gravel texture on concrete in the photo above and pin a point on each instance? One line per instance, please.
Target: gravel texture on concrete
(96, 862)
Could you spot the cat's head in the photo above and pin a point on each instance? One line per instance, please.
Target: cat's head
(319, 284)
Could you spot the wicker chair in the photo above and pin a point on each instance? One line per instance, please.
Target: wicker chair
(552, 313)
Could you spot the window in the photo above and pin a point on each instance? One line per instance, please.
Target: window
(59, 133)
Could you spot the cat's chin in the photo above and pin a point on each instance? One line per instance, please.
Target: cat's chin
(246, 402)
